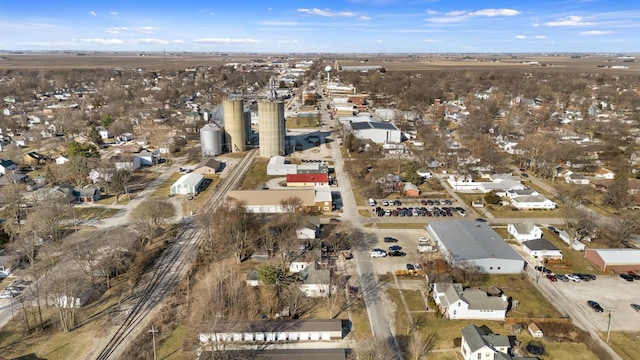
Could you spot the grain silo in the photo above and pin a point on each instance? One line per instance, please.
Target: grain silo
(271, 130)
(234, 125)
(211, 140)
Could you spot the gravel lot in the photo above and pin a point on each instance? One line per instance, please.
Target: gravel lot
(407, 238)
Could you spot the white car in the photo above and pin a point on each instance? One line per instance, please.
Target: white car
(423, 239)
(572, 277)
(6, 294)
(376, 253)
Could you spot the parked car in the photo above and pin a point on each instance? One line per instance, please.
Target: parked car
(552, 278)
(334, 220)
(410, 267)
(573, 277)
(423, 239)
(417, 266)
(543, 269)
(626, 277)
(389, 239)
(536, 350)
(635, 307)
(562, 277)
(397, 253)
(595, 306)
(395, 248)
(376, 253)
(635, 275)
(397, 203)
(6, 294)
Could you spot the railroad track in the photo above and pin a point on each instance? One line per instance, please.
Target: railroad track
(171, 267)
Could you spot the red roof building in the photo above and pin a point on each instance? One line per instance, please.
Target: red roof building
(307, 179)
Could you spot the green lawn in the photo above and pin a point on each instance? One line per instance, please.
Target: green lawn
(257, 176)
(164, 190)
(415, 301)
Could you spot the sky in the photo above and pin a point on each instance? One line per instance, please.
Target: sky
(330, 26)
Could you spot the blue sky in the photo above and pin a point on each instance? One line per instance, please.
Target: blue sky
(354, 26)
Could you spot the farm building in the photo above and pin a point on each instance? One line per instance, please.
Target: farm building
(616, 260)
(188, 184)
(472, 243)
(376, 131)
(263, 331)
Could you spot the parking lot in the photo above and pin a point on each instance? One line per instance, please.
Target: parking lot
(417, 208)
(407, 239)
(613, 293)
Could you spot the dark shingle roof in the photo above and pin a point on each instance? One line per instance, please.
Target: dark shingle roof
(364, 125)
(539, 244)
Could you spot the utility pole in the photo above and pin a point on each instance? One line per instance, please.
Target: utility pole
(153, 332)
(609, 326)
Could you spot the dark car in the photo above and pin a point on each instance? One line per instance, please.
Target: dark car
(396, 253)
(410, 267)
(395, 248)
(536, 350)
(430, 202)
(334, 220)
(423, 202)
(543, 269)
(586, 277)
(634, 275)
(626, 277)
(524, 175)
(397, 203)
(595, 306)
(389, 239)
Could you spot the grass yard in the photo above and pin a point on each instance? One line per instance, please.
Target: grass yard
(360, 327)
(625, 344)
(257, 176)
(531, 302)
(165, 188)
(415, 301)
(171, 347)
(572, 257)
(93, 213)
(400, 321)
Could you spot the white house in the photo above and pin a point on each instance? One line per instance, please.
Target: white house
(148, 158)
(126, 162)
(535, 331)
(103, 132)
(532, 202)
(61, 160)
(455, 302)
(481, 343)
(316, 282)
(6, 165)
(497, 182)
(542, 249)
(604, 174)
(576, 179)
(524, 231)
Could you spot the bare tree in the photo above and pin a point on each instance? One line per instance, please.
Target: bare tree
(375, 349)
(149, 215)
(77, 170)
(233, 227)
(622, 228)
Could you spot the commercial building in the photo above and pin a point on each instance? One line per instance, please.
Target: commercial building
(278, 200)
(263, 331)
(614, 260)
(475, 244)
(542, 249)
(306, 180)
(376, 131)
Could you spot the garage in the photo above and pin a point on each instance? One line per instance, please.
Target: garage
(614, 260)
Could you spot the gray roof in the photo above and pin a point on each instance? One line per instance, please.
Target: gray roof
(476, 298)
(277, 325)
(365, 125)
(312, 276)
(619, 256)
(191, 179)
(469, 240)
(540, 244)
(524, 227)
(479, 337)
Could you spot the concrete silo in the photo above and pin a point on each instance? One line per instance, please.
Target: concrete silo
(211, 140)
(271, 130)
(234, 125)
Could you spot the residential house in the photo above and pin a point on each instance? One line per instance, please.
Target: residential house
(33, 158)
(148, 158)
(532, 202)
(305, 260)
(87, 195)
(456, 302)
(604, 174)
(96, 176)
(542, 249)
(103, 132)
(524, 231)
(481, 343)
(61, 160)
(126, 162)
(253, 278)
(208, 167)
(497, 182)
(19, 141)
(316, 282)
(13, 177)
(410, 190)
(576, 179)
(6, 166)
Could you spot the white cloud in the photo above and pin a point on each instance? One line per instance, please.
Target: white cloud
(291, 42)
(93, 13)
(520, 37)
(431, 40)
(495, 12)
(456, 13)
(540, 36)
(379, 41)
(145, 29)
(159, 41)
(225, 41)
(596, 32)
(432, 12)
(212, 14)
(365, 18)
(103, 41)
(571, 20)
(117, 30)
(142, 29)
(114, 13)
(326, 12)
(279, 23)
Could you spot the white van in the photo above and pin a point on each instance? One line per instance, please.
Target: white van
(372, 202)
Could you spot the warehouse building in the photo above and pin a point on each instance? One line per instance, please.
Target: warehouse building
(473, 243)
(188, 184)
(265, 331)
(376, 131)
(614, 260)
(277, 200)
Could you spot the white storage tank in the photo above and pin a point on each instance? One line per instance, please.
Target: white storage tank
(211, 140)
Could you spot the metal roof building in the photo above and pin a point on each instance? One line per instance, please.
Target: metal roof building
(617, 260)
(377, 131)
(474, 243)
(188, 184)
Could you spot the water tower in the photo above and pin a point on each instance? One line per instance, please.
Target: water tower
(328, 70)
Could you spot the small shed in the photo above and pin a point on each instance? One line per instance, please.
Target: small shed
(535, 331)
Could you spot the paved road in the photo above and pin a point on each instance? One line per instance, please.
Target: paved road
(373, 296)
